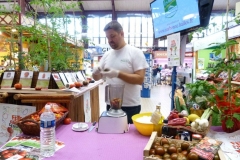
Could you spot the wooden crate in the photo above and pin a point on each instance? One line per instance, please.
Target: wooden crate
(154, 138)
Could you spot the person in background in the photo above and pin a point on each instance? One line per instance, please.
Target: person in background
(154, 75)
(186, 65)
(159, 71)
(123, 64)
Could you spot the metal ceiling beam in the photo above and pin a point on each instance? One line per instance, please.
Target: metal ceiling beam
(114, 17)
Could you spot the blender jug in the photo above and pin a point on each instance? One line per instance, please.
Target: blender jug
(114, 95)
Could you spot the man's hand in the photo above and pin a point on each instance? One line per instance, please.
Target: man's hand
(111, 73)
(96, 71)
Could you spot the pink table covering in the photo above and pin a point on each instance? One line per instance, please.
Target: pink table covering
(96, 146)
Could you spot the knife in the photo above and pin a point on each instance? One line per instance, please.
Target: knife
(93, 126)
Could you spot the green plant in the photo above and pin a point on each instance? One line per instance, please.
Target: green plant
(50, 41)
(227, 100)
(200, 93)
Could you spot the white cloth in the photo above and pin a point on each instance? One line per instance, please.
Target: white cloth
(128, 59)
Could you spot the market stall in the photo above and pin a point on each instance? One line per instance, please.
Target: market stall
(74, 101)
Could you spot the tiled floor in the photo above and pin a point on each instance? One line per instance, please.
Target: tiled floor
(158, 94)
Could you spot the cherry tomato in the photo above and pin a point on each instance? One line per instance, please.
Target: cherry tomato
(18, 86)
(67, 121)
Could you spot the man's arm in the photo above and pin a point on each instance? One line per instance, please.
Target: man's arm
(135, 78)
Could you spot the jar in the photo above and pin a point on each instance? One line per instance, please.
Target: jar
(185, 136)
(196, 138)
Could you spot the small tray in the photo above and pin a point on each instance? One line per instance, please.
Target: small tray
(33, 128)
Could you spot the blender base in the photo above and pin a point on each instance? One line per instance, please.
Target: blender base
(109, 124)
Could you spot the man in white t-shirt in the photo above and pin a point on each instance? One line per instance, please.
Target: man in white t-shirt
(126, 65)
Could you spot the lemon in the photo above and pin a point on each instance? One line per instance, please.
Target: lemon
(193, 117)
(187, 120)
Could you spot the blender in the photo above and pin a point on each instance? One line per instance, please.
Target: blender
(115, 119)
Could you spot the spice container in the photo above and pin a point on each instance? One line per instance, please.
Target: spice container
(196, 138)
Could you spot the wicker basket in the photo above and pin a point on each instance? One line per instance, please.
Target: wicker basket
(33, 129)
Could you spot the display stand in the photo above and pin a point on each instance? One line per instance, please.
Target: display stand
(146, 86)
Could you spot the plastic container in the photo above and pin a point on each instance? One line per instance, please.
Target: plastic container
(47, 132)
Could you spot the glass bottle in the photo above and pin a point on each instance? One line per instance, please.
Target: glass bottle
(156, 120)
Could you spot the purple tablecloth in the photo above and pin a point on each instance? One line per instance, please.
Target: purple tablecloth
(95, 146)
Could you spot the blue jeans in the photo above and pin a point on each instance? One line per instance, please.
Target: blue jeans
(130, 111)
(155, 80)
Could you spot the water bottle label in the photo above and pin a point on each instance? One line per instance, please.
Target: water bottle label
(48, 124)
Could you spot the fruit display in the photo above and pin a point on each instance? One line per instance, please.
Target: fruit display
(191, 122)
(57, 109)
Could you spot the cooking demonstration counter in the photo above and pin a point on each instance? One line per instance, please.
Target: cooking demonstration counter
(97, 146)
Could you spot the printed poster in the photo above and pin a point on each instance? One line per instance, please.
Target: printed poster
(63, 78)
(80, 76)
(7, 79)
(74, 75)
(200, 63)
(10, 114)
(25, 148)
(173, 49)
(43, 79)
(26, 79)
(58, 81)
(87, 106)
(69, 78)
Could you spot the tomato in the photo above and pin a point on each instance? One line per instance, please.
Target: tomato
(67, 121)
(85, 83)
(7, 155)
(18, 86)
(78, 84)
(72, 85)
(38, 88)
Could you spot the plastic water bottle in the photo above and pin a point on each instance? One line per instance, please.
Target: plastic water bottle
(47, 132)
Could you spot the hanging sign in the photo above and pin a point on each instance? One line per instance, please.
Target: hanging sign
(173, 49)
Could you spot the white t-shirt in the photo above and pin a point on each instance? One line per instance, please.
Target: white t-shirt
(128, 59)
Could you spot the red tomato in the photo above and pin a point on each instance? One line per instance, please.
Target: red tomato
(72, 85)
(78, 84)
(18, 86)
(67, 121)
(38, 88)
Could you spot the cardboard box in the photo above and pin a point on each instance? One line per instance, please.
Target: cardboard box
(9, 115)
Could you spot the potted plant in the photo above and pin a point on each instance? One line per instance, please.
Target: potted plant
(200, 93)
(227, 100)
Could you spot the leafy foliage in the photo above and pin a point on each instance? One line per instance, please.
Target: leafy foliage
(200, 92)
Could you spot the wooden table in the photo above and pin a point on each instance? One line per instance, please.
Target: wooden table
(74, 101)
